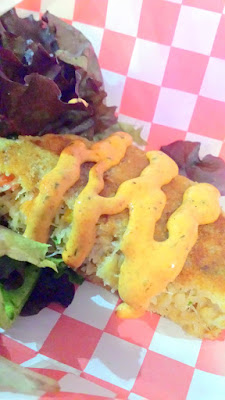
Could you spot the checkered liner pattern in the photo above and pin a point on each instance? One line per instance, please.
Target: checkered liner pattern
(163, 63)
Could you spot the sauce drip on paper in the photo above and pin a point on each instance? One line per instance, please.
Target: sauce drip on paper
(148, 265)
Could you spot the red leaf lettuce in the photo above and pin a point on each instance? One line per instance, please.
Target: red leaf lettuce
(44, 64)
(210, 169)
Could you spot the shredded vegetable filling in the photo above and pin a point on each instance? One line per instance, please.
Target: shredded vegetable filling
(148, 266)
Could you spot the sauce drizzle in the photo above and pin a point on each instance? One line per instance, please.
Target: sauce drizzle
(148, 265)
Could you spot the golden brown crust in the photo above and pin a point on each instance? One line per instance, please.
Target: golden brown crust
(131, 166)
(204, 270)
(205, 265)
(10, 162)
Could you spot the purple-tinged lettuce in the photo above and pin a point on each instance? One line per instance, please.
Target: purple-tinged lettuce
(210, 169)
(43, 65)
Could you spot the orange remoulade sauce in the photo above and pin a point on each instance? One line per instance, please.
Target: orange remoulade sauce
(148, 265)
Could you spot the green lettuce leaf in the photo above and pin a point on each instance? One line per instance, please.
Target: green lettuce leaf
(20, 248)
(62, 268)
(12, 301)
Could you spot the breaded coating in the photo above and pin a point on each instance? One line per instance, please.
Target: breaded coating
(196, 299)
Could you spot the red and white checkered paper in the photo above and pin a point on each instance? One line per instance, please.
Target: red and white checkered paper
(163, 63)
